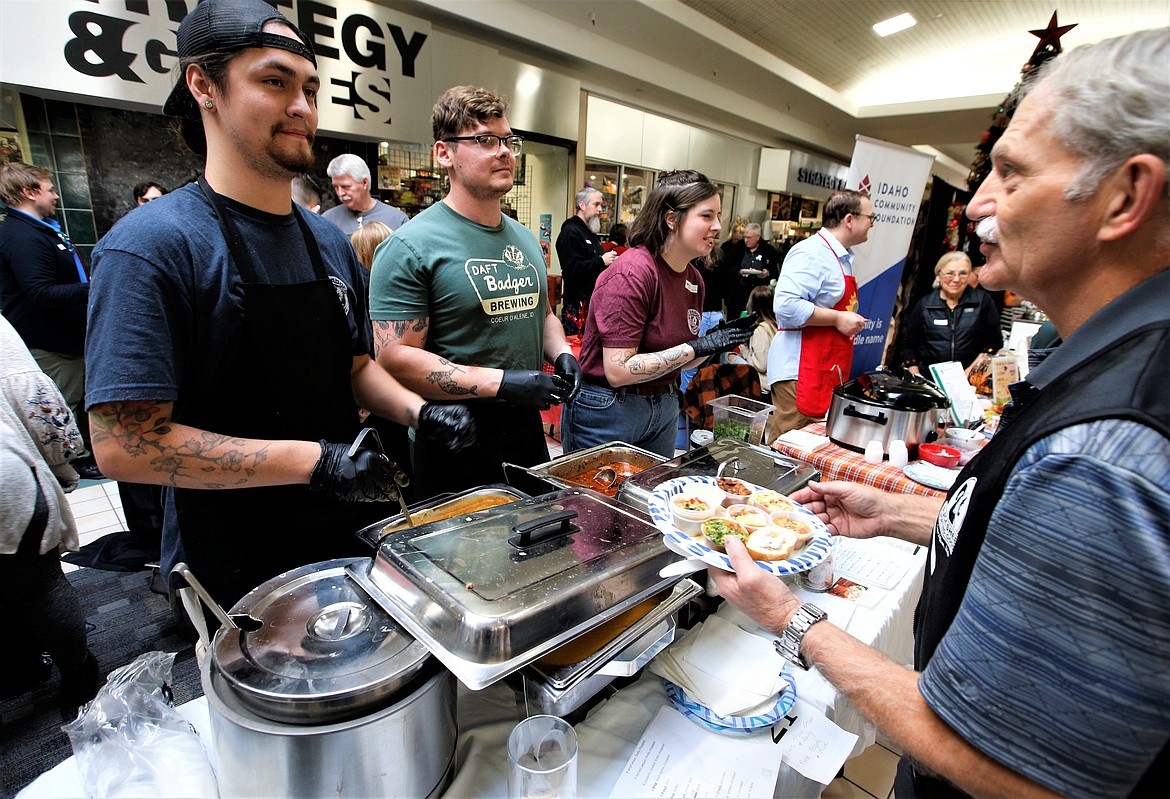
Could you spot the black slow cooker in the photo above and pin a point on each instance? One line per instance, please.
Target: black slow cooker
(887, 404)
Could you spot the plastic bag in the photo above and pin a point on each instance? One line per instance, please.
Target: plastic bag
(130, 740)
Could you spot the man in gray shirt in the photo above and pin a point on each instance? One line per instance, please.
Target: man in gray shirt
(351, 184)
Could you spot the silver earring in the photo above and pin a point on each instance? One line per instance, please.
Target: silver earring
(208, 104)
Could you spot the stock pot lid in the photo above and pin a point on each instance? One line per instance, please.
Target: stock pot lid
(324, 646)
(895, 388)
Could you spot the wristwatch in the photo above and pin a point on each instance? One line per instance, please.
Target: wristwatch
(789, 643)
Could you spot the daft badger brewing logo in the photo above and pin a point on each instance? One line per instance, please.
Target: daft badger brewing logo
(508, 288)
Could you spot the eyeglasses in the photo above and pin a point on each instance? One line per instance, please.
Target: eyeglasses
(954, 275)
(489, 143)
(872, 219)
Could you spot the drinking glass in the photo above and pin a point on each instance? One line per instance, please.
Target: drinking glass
(542, 759)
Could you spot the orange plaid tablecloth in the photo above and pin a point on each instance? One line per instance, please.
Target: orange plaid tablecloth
(838, 463)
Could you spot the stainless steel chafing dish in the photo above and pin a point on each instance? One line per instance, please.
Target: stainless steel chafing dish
(726, 456)
(465, 505)
(572, 470)
(492, 591)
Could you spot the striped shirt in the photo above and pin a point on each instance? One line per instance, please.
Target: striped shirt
(1057, 662)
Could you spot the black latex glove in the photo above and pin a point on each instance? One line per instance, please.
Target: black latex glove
(747, 322)
(567, 368)
(369, 476)
(534, 390)
(721, 340)
(450, 426)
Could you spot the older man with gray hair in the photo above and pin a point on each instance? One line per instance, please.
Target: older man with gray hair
(1042, 637)
(351, 184)
(582, 257)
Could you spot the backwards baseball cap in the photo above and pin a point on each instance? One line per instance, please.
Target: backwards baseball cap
(225, 26)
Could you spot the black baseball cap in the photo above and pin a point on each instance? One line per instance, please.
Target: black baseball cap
(224, 26)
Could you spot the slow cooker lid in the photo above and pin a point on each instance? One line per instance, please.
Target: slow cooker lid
(895, 388)
(323, 641)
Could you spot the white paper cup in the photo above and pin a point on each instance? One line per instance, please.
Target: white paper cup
(542, 759)
(899, 454)
(874, 451)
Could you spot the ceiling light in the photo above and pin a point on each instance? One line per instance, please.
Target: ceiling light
(895, 24)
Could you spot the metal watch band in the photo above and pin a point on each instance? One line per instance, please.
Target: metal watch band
(788, 645)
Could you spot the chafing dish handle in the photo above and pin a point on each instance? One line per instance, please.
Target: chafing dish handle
(877, 418)
(554, 524)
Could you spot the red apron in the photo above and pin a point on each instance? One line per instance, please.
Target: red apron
(822, 352)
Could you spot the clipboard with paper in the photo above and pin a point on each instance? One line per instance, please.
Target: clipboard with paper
(952, 379)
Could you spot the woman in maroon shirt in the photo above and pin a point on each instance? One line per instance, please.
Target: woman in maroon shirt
(643, 323)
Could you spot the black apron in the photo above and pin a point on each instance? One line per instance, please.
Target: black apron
(289, 379)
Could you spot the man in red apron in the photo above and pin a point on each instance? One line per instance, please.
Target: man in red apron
(230, 349)
(816, 310)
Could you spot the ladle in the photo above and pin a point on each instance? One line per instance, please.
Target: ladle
(353, 451)
(606, 477)
(236, 621)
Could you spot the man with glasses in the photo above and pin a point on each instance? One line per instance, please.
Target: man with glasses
(459, 302)
(351, 184)
(816, 312)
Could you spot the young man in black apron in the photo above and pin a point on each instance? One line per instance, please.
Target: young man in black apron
(1042, 637)
(231, 351)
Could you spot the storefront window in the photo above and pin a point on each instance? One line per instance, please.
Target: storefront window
(636, 185)
(604, 178)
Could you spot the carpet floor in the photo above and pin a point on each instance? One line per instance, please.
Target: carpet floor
(129, 619)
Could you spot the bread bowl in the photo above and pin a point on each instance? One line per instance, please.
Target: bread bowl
(772, 543)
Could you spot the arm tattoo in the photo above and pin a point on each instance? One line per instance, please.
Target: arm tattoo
(445, 380)
(649, 365)
(142, 431)
(386, 333)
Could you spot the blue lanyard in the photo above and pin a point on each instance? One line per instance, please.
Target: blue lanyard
(55, 226)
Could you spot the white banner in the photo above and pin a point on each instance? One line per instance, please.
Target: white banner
(374, 63)
(894, 178)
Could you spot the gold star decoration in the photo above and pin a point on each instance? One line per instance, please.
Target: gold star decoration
(1050, 36)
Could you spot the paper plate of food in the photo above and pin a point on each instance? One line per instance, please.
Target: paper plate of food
(696, 514)
(754, 721)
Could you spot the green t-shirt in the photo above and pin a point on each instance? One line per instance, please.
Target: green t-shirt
(482, 288)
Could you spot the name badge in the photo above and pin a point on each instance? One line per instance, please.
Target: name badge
(941, 322)
(692, 288)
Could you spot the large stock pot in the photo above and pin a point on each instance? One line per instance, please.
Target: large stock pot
(329, 697)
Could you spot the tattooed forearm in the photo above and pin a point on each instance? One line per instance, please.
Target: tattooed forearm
(182, 456)
(386, 333)
(444, 380)
(649, 365)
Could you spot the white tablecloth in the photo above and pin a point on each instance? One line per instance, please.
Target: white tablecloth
(608, 736)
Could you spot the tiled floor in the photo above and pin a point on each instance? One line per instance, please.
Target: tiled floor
(870, 775)
(98, 511)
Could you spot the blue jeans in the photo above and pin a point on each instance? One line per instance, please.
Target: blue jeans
(598, 415)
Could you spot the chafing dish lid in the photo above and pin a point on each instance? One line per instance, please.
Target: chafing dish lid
(491, 587)
(323, 644)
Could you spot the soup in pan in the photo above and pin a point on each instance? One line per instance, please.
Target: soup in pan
(606, 485)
